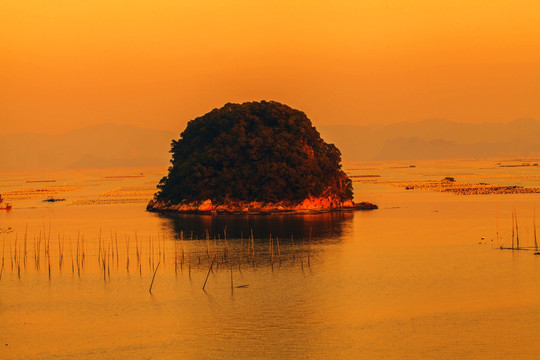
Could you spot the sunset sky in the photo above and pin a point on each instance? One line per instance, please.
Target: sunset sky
(70, 64)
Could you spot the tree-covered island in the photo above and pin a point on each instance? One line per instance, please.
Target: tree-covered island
(256, 157)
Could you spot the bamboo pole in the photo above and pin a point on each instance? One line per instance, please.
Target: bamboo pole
(232, 287)
(83, 246)
(49, 237)
(77, 255)
(278, 250)
(175, 257)
(116, 241)
(104, 266)
(497, 224)
(99, 248)
(71, 252)
(182, 245)
(189, 259)
(208, 274)
(513, 228)
(3, 251)
(271, 245)
(59, 254)
(15, 251)
(517, 230)
(534, 228)
(127, 253)
(25, 238)
(207, 243)
(252, 249)
(164, 245)
(226, 250)
(292, 248)
(309, 249)
(137, 248)
(153, 277)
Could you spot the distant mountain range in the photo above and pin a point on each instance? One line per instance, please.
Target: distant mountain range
(101, 146)
(435, 139)
(111, 145)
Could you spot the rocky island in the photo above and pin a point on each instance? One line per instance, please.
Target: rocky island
(254, 158)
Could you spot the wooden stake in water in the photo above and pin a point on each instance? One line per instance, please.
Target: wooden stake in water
(71, 252)
(25, 237)
(127, 253)
(208, 274)
(302, 253)
(226, 250)
(59, 254)
(182, 245)
(104, 266)
(534, 228)
(175, 257)
(517, 230)
(99, 248)
(3, 251)
(252, 249)
(83, 248)
(116, 241)
(220, 247)
(271, 245)
(215, 248)
(150, 251)
(278, 251)
(15, 249)
(137, 248)
(292, 248)
(190, 244)
(77, 256)
(207, 244)
(163, 241)
(513, 227)
(309, 249)
(216, 252)
(48, 263)
(232, 288)
(497, 225)
(153, 277)
(49, 238)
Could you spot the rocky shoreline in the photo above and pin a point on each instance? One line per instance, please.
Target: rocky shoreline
(308, 206)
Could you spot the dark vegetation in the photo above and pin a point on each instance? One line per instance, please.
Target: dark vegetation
(256, 151)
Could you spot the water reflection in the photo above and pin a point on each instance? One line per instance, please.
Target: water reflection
(327, 227)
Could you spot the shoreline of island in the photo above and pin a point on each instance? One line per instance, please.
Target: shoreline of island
(308, 206)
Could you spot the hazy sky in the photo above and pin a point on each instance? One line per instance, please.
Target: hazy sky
(69, 64)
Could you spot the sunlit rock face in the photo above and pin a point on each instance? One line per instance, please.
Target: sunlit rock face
(255, 157)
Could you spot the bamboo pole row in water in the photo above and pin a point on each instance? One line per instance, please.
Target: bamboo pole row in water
(515, 238)
(131, 252)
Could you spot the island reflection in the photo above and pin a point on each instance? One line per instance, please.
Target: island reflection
(328, 227)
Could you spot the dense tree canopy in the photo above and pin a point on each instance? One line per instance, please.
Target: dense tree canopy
(256, 151)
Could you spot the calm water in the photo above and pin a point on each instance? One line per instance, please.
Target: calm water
(420, 278)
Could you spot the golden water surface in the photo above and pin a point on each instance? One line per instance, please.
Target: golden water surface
(422, 277)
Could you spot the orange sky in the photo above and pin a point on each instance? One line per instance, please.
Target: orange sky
(69, 64)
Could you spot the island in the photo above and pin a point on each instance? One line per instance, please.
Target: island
(254, 158)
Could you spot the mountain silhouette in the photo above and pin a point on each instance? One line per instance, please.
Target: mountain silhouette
(100, 146)
(435, 139)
